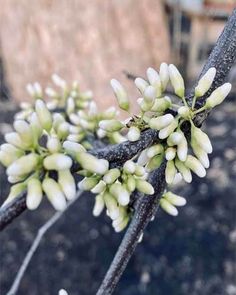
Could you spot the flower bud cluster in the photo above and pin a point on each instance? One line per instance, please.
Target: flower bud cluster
(113, 187)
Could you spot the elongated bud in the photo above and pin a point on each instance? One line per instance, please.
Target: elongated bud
(14, 192)
(117, 137)
(6, 159)
(121, 94)
(129, 167)
(154, 163)
(133, 133)
(67, 183)
(141, 84)
(175, 138)
(51, 105)
(154, 80)
(185, 171)
(155, 150)
(161, 122)
(38, 89)
(122, 225)
(111, 175)
(205, 82)
(99, 205)
(73, 148)
(177, 80)
(121, 194)
(9, 153)
(58, 81)
(50, 92)
(43, 114)
(144, 187)
(99, 188)
(149, 94)
(57, 162)
(111, 205)
(53, 144)
(184, 112)
(88, 183)
(30, 89)
(14, 139)
(174, 199)
(145, 105)
(170, 153)
(70, 105)
(34, 194)
(195, 165)
(165, 132)
(111, 125)
(182, 148)
(164, 75)
(110, 113)
(131, 183)
(23, 165)
(35, 126)
(201, 139)
(143, 158)
(200, 154)
(161, 104)
(92, 164)
(25, 132)
(62, 292)
(178, 178)
(54, 193)
(218, 96)
(170, 171)
(139, 171)
(168, 207)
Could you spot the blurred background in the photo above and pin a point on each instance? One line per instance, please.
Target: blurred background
(93, 41)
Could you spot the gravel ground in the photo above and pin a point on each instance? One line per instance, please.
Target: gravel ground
(193, 253)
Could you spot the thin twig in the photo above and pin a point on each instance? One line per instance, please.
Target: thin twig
(41, 232)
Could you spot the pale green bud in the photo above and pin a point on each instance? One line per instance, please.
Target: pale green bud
(165, 132)
(50, 92)
(129, 167)
(149, 94)
(58, 81)
(130, 183)
(195, 165)
(117, 137)
(185, 171)
(34, 194)
(92, 164)
(154, 163)
(110, 113)
(35, 126)
(76, 137)
(111, 175)
(143, 158)
(70, 105)
(154, 80)
(38, 89)
(63, 130)
(161, 104)
(88, 183)
(175, 138)
(53, 144)
(178, 178)
(201, 139)
(6, 159)
(121, 194)
(141, 84)
(23, 165)
(218, 96)
(174, 199)
(201, 154)
(15, 179)
(164, 75)
(112, 206)
(144, 104)
(161, 122)
(170, 153)
(168, 207)
(74, 119)
(86, 95)
(122, 215)
(170, 171)
(155, 150)
(54, 193)
(43, 114)
(177, 80)
(205, 82)
(9, 153)
(139, 170)
(99, 188)
(25, 132)
(144, 187)
(184, 112)
(57, 162)
(182, 148)
(67, 183)
(133, 133)
(14, 139)
(15, 190)
(99, 205)
(30, 89)
(111, 125)
(122, 225)
(73, 148)
(51, 105)
(121, 94)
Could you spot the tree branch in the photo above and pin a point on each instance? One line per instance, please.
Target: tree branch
(222, 57)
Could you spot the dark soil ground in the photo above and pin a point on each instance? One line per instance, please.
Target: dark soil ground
(194, 253)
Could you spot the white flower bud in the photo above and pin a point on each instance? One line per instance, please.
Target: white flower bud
(174, 199)
(175, 138)
(161, 104)
(25, 132)
(117, 137)
(144, 104)
(92, 164)
(177, 80)
(54, 193)
(161, 122)
(15, 179)
(14, 139)
(53, 144)
(185, 171)
(62, 292)
(182, 148)
(88, 183)
(155, 150)
(14, 192)
(201, 138)
(110, 113)
(76, 137)
(38, 89)
(99, 205)
(201, 155)
(6, 159)
(178, 178)
(154, 80)
(170, 171)
(43, 114)
(164, 75)
(195, 165)
(63, 130)
(23, 165)
(141, 84)
(218, 96)
(34, 194)
(73, 148)
(121, 94)
(121, 194)
(101, 133)
(58, 81)
(133, 133)
(35, 126)
(111, 205)
(129, 167)
(184, 112)
(70, 105)
(51, 105)
(57, 162)
(50, 92)
(170, 153)
(67, 183)
(149, 94)
(205, 82)
(139, 171)
(130, 183)
(9, 153)
(168, 207)
(86, 95)
(165, 132)
(111, 175)
(154, 163)
(144, 187)
(120, 226)
(99, 188)
(111, 125)
(30, 89)
(143, 158)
